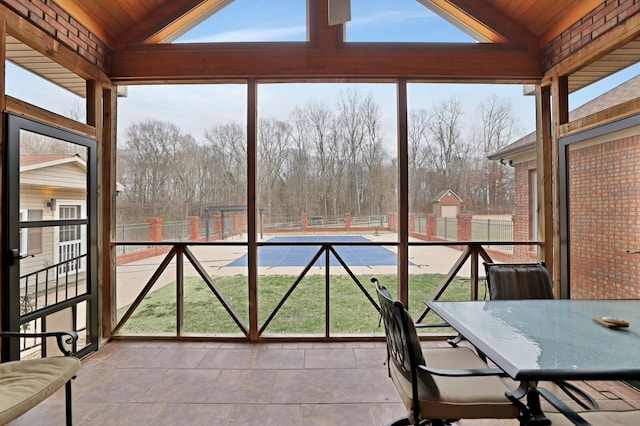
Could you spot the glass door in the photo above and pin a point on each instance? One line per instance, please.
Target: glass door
(49, 233)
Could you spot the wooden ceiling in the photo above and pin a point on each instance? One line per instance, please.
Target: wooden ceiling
(136, 21)
(126, 25)
(120, 22)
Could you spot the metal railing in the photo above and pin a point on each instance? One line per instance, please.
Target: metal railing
(47, 291)
(493, 230)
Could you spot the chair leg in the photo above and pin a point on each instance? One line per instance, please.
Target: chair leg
(67, 395)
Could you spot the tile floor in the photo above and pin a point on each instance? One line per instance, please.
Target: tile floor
(213, 383)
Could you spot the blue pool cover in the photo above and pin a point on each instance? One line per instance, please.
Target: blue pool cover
(272, 256)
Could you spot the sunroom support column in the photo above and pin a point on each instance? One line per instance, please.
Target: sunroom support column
(107, 216)
(252, 249)
(544, 166)
(560, 116)
(403, 194)
(3, 105)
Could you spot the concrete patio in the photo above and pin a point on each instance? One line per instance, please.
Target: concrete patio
(214, 383)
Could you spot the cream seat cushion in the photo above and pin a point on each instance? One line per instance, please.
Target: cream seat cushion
(24, 384)
(457, 397)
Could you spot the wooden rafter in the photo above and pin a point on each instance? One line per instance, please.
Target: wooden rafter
(485, 20)
(171, 20)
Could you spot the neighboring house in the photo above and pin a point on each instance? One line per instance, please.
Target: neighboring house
(52, 186)
(603, 192)
(447, 204)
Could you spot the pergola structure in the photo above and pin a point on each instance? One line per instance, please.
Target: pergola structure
(92, 47)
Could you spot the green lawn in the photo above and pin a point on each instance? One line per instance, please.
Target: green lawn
(302, 313)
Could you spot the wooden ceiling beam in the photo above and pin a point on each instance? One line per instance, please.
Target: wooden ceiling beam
(487, 21)
(170, 19)
(304, 61)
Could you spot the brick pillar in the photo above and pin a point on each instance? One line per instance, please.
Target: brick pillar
(464, 227)
(194, 227)
(217, 226)
(303, 221)
(347, 221)
(393, 221)
(431, 225)
(521, 233)
(412, 222)
(154, 232)
(234, 224)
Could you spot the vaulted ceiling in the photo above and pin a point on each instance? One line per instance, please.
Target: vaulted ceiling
(126, 25)
(120, 22)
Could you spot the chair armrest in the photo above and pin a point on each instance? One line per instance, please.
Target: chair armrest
(563, 408)
(59, 335)
(469, 372)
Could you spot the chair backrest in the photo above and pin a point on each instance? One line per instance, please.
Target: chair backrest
(513, 281)
(403, 345)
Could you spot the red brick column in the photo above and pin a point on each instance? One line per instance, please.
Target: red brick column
(154, 232)
(194, 227)
(412, 221)
(393, 221)
(464, 227)
(347, 221)
(521, 233)
(304, 221)
(217, 226)
(234, 224)
(431, 226)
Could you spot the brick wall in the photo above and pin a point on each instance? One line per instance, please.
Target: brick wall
(604, 219)
(588, 29)
(522, 212)
(50, 18)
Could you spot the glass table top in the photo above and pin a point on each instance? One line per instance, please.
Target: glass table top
(551, 339)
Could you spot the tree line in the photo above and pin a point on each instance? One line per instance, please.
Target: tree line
(323, 160)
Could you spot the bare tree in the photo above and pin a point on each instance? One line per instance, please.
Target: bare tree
(372, 154)
(273, 145)
(301, 184)
(146, 163)
(447, 150)
(327, 152)
(352, 132)
(226, 158)
(498, 128)
(420, 187)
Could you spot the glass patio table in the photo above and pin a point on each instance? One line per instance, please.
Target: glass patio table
(532, 340)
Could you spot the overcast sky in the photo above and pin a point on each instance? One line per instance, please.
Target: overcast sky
(195, 108)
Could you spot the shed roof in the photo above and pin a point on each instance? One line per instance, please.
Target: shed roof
(441, 195)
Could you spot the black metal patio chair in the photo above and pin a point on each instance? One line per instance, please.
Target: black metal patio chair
(519, 281)
(440, 385)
